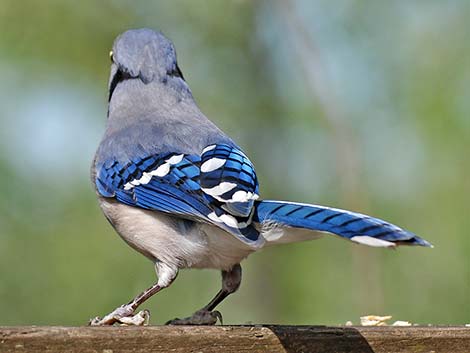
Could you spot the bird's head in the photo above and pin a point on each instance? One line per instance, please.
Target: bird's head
(142, 54)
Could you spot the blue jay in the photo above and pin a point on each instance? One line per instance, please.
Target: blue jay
(182, 193)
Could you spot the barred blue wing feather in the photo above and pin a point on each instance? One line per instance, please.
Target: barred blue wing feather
(350, 225)
(217, 187)
(228, 176)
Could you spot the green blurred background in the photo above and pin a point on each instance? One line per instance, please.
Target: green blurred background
(353, 104)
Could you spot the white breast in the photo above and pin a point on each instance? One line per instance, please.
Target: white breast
(172, 241)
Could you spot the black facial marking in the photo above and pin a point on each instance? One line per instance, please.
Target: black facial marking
(176, 72)
(119, 76)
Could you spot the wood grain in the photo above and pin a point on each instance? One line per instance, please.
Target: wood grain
(230, 339)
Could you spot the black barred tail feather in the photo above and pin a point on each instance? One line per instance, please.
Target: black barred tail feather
(356, 227)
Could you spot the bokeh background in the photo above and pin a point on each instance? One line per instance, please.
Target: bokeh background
(353, 104)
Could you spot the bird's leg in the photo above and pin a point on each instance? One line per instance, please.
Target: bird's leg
(207, 315)
(125, 313)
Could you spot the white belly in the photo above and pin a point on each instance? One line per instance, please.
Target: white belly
(172, 241)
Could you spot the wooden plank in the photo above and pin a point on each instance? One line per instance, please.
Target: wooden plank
(229, 339)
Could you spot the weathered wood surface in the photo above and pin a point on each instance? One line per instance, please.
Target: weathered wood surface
(230, 339)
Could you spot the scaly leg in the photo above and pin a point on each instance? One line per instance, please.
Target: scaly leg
(125, 313)
(207, 316)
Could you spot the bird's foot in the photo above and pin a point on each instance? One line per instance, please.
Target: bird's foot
(200, 317)
(123, 315)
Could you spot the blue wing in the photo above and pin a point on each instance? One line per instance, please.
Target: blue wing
(350, 225)
(217, 187)
(227, 176)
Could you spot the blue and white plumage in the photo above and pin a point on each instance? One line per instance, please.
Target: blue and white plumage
(217, 187)
(181, 192)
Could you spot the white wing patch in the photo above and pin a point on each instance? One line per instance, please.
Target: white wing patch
(212, 164)
(208, 148)
(145, 178)
(220, 189)
(175, 159)
(243, 196)
(161, 171)
(228, 220)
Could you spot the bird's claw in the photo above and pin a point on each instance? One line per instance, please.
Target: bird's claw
(123, 315)
(201, 317)
(142, 318)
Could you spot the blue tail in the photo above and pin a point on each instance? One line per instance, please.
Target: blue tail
(353, 226)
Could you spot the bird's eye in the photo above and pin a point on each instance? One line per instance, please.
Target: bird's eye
(111, 56)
